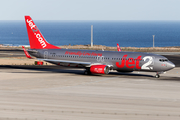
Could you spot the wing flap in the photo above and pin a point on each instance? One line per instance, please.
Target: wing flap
(59, 62)
(71, 63)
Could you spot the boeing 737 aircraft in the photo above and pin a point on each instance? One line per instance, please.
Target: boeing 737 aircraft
(95, 62)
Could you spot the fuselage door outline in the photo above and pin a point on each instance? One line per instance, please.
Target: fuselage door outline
(45, 54)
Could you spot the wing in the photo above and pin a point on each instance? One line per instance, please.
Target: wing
(64, 62)
(70, 63)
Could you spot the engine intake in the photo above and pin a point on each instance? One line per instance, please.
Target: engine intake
(99, 69)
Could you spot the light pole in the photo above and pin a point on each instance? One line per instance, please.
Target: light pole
(91, 35)
(153, 39)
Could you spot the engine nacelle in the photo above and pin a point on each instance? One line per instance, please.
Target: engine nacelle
(99, 69)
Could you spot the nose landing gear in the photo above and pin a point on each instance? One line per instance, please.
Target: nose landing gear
(157, 74)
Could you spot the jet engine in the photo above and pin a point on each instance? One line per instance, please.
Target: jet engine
(99, 69)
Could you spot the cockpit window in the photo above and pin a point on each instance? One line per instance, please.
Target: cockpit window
(163, 60)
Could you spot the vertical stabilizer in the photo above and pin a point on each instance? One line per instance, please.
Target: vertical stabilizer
(36, 39)
(118, 48)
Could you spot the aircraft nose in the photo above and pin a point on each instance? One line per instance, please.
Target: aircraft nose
(171, 65)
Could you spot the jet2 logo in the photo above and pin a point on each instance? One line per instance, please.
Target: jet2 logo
(38, 36)
(132, 63)
(33, 27)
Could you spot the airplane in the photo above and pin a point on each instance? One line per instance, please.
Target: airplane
(94, 62)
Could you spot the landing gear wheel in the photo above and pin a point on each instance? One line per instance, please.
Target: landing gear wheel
(87, 72)
(157, 76)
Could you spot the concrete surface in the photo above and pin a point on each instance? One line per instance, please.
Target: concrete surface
(49, 92)
(66, 94)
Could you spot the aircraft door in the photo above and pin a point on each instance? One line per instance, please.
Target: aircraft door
(100, 58)
(45, 54)
(163, 65)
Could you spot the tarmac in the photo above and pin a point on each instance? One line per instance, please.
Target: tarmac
(29, 92)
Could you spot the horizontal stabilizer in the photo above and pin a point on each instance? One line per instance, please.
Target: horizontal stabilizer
(26, 53)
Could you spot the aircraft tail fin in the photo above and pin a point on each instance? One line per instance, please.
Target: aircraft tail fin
(118, 48)
(36, 39)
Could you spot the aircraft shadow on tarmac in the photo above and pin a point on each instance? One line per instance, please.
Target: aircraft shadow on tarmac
(60, 69)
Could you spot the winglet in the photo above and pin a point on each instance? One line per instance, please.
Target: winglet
(118, 48)
(36, 39)
(26, 53)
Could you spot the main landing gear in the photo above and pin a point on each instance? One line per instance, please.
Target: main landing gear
(87, 71)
